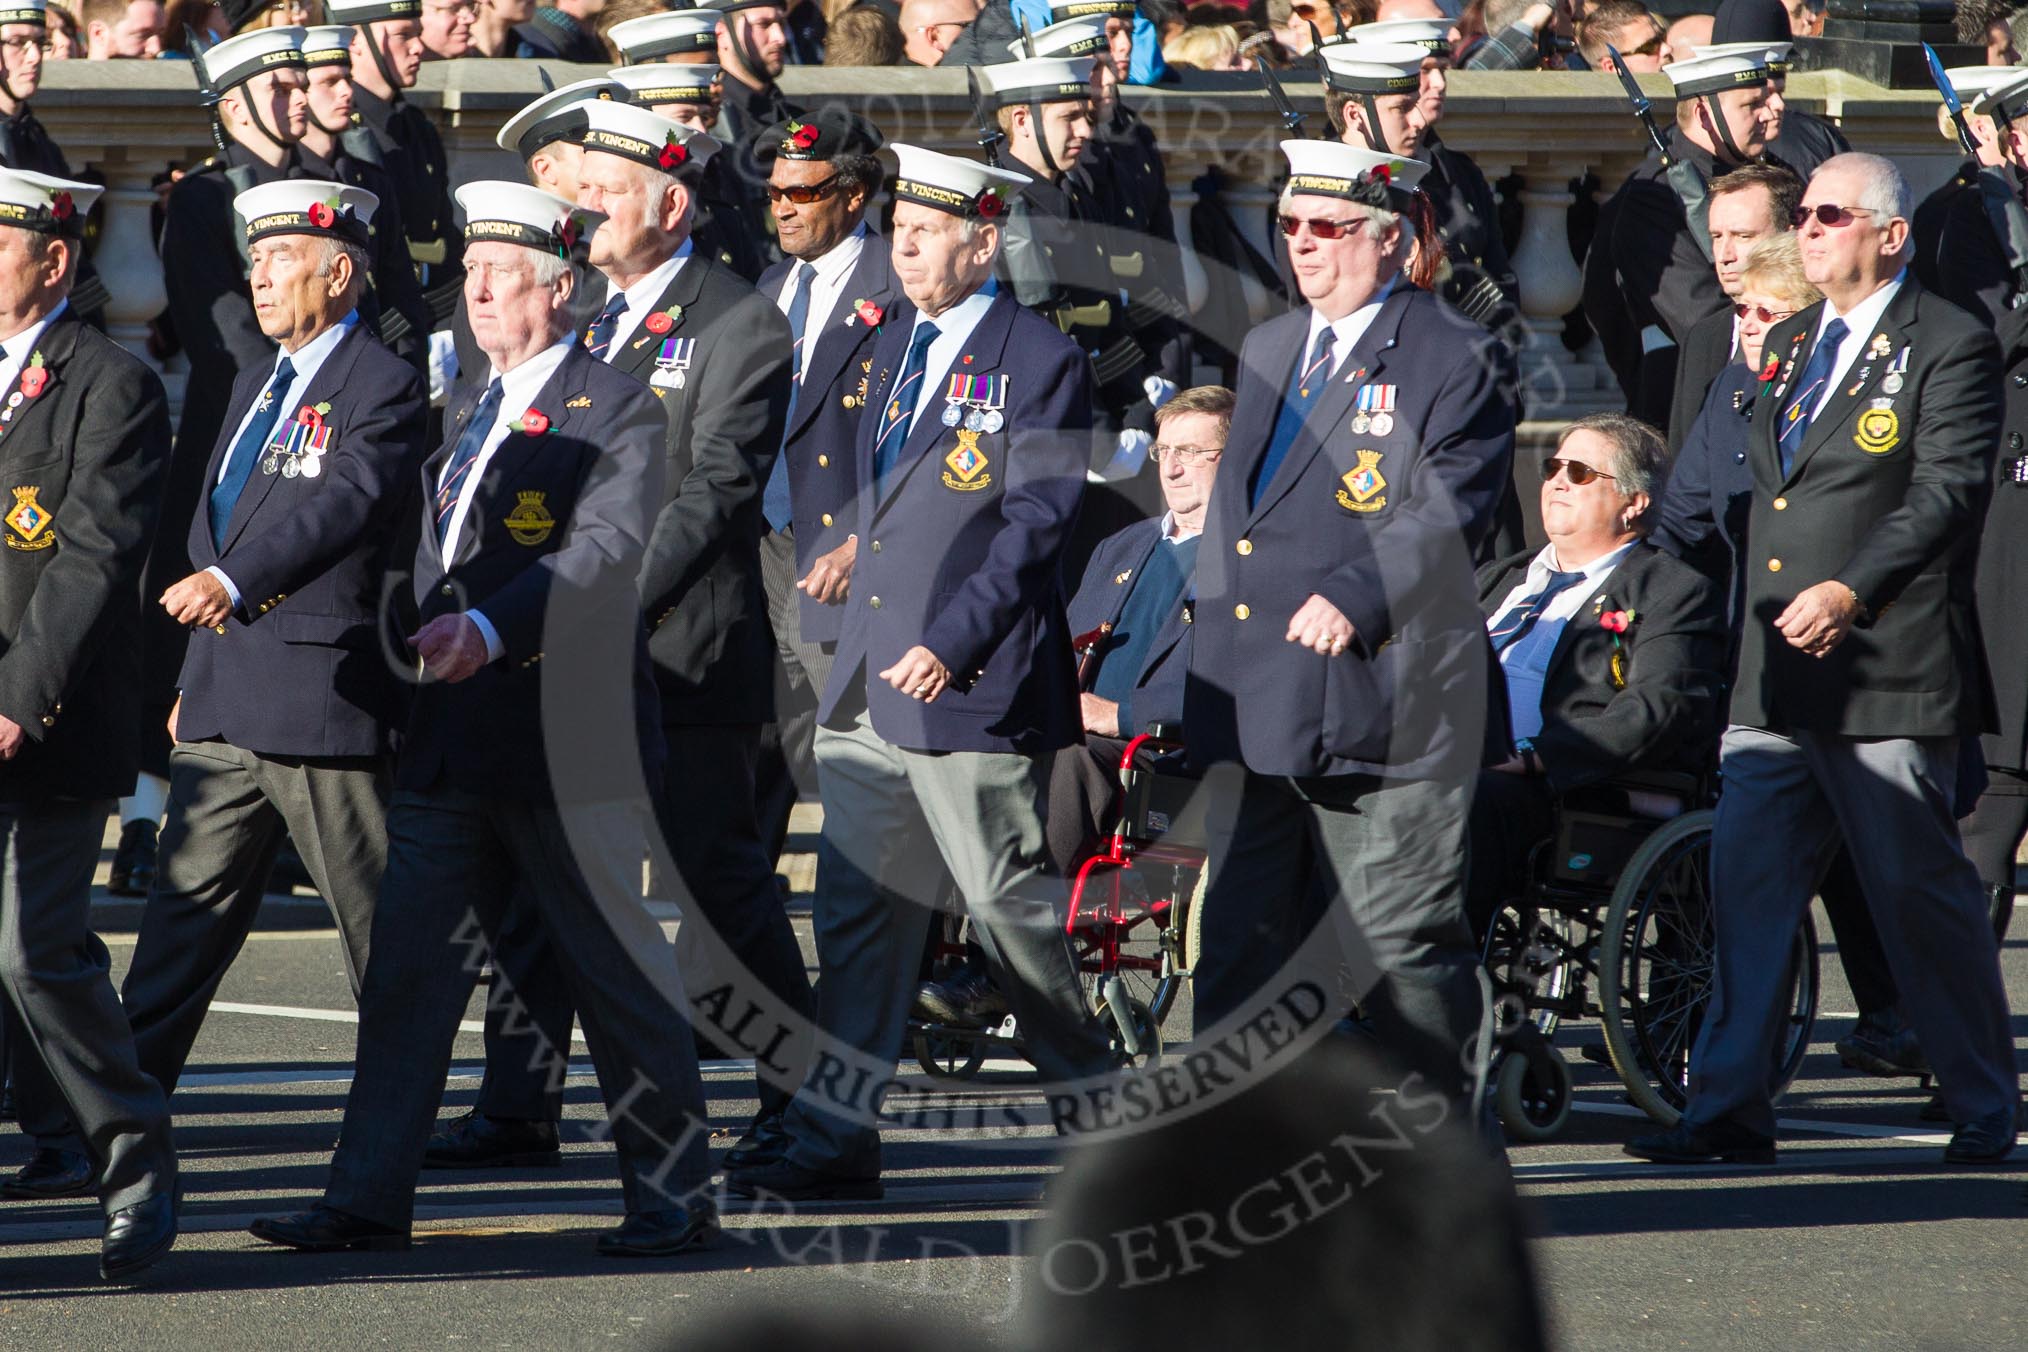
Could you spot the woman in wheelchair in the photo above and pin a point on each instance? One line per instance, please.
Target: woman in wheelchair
(1610, 653)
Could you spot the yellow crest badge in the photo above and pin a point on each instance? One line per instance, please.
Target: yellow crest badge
(966, 467)
(1877, 432)
(28, 521)
(530, 522)
(1364, 485)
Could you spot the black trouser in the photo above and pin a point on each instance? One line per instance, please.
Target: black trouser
(1992, 836)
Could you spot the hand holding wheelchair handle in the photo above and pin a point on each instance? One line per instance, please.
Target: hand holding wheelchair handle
(1321, 627)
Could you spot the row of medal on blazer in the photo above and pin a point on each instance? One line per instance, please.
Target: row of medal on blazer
(300, 446)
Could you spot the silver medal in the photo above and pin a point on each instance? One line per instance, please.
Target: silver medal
(1383, 423)
(951, 416)
(975, 420)
(1361, 424)
(272, 463)
(1893, 383)
(993, 421)
(291, 468)
(313, 465)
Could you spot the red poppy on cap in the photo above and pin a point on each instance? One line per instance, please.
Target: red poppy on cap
(673, 155)
(61, 207)
(804, 135)
(321, 215)
(990, 204)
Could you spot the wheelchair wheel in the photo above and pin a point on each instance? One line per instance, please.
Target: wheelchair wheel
(1532, 1094)
(1656, 967)
(1147, 1036)
(1150, 941)
(1527, 955)
(948, 1056)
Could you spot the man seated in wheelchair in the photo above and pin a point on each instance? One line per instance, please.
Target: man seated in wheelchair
(1611, 655)
(1131, 616)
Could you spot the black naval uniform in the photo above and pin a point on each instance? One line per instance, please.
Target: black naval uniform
(1957, 253)
(400, 138)
(739, 189)
(1482, 282)
(393, 292)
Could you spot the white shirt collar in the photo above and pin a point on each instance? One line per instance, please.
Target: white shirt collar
(305, 360)
(1174, 533)
(643, 294)
(1546, 563)
(834, 266)
(519, 386)
(21, 346)
(1865, 316)
(1348, 329)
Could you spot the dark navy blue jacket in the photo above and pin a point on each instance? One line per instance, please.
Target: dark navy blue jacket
(1384, 526)
(298, 670)
(823, 425)
(1108, 578)
(971, 568)
(1701, 518)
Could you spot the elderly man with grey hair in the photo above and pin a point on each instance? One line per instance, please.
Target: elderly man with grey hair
(1860, 675)
(1610, 650)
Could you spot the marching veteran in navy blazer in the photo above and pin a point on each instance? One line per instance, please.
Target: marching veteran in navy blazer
(531, 754)
(1339, 655)
(287, 710)
(955, 641)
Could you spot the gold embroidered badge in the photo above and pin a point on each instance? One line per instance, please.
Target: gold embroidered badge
(530, 522)
(1364, 485)
(967, 472)
(1877, 432)
(28, 521)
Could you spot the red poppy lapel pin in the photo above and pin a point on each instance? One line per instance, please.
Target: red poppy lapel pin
(868, 313)
(533, 423)
(34, 377)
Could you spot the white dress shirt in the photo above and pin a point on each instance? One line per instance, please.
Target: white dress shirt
(305, 362)
(954, 335)
(518, 389)
(1861, 325)
(1567, 602)
(1348, 328)
(641, 298)
(21, 346)
(1175, 532)
(826, 288)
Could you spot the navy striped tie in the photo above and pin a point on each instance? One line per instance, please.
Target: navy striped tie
(900, 408)
(598, 339)
(465, 455)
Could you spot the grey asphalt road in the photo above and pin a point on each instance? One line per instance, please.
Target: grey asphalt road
(1860, 1239)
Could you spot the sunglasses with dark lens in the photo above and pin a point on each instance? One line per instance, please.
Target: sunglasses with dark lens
(1652, 47)
(1322, 229)
(802, 194)
(1579, 473)
(1827, 213)
(1760, 312)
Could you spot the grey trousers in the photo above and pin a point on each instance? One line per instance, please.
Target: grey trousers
(787, 765)
(71, 1021)
(228, 812)
(893, 819)
(453, 859)
(1786, 802)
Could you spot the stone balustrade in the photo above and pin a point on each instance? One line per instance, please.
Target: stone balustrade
(128, 120)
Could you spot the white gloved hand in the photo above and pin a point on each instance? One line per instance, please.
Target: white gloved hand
(1159, 390)
(1128, 456)
(443, 365)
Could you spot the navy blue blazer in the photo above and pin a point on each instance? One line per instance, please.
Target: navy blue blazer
(298, 671)
(1384, 525)
(1158, 688)
(550, 551)
(1701, 518)
(824, 424)
(969, 564)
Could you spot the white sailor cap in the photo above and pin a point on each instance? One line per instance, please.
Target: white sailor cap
(370, 11)
(1779, 56)
(1072, 37)
(227, 65)
(960, 186)
(1059, 10)
(1334, 169)
(2003, 96)
(1432, 35)
(515, 213)
(307, 206)
(1361, 68)
(556, 116)
(1045, 79)
(653, 36)
(327, 45)
(24, 11)
(728, 6)
(666, 82)
(1703, 74)
(45, 204)
(645, 137)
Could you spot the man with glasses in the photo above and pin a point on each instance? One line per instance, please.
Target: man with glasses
(1861, 680)
(446, 28)
(24, 46)
(928, 26)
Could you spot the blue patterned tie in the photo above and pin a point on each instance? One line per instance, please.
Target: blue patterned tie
(1516, 623)
(465, 455)
(775, 497)
(1798, 412)
(1305, 384)
(901, 405)
(598, 339)
(246, 451)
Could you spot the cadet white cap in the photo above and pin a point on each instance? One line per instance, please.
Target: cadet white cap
(371, 11)
(1333, 169)
(327, 45)
(1432, 35)
(948, 183)
(1703, 74)
(657, 35)
(1071, 37)
(665, 82)
(1361, 68)
(1045, 79)
(645, 137)
(1059, 10)
(2003, 96)
(45, 204)
(307, 206)
(515, 213)
(226, 65)
(556, 116)
(1778, 56)
(25, 11)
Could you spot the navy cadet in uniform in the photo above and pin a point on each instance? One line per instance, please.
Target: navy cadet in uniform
(85, 433)
(24, 46)
(753, 42)
(688, 92)
(836, 286)
(1339, 656)
(1962, 229)
(1802, 140)
(530, 755)
(1861, 679)
(287, 709)
(954, 641)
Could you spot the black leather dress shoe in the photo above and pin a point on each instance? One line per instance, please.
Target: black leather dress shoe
(657, 1234)
(763, 1142)
(324, 1229)
(1986, 1141)
(1881, 1043)
(476, 1141)
(1720, 1143)
(969, 1000)
(136, 1236)
(51, 1173)
(133, 871)
(793, 1183)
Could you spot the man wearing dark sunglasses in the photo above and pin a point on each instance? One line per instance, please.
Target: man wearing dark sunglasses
(1861, 680)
